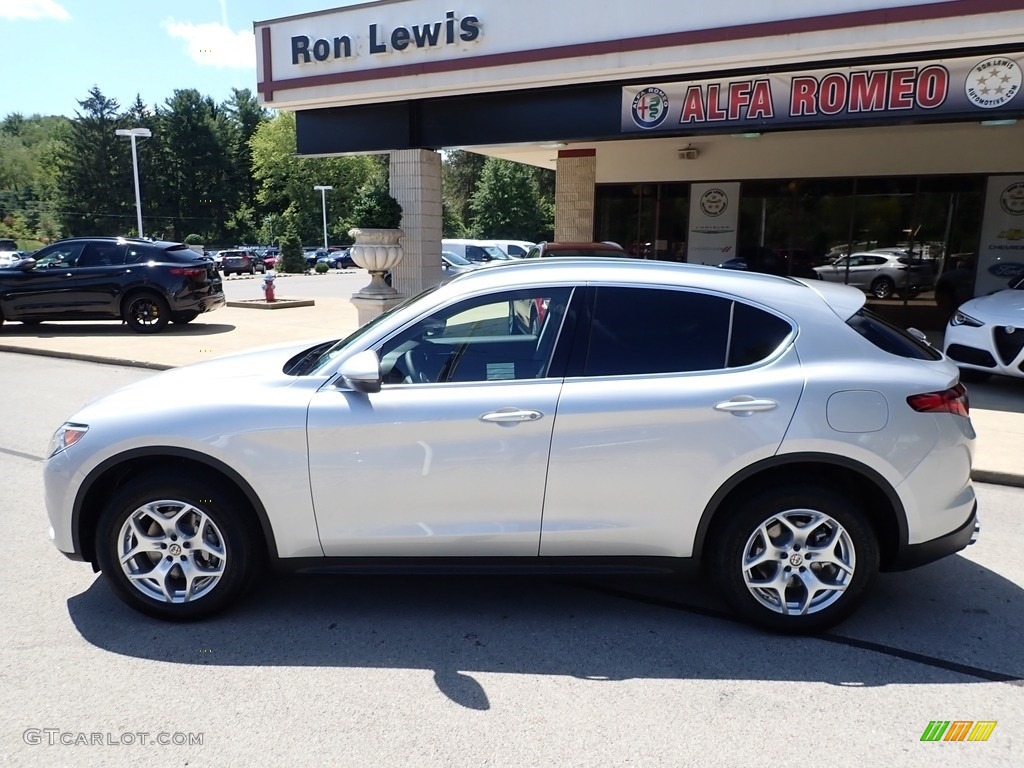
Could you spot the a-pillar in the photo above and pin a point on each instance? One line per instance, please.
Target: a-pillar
(416, 185)
(575, 178)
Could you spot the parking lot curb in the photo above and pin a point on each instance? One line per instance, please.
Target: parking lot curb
(104, 360)
(997, 478)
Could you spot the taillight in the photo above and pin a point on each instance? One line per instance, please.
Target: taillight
(952, 400)
(193, 272)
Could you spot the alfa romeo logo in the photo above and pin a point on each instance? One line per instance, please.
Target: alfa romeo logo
(993, 82)
(650, 108)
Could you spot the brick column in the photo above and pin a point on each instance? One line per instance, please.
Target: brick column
(575, 177)
(416, 184)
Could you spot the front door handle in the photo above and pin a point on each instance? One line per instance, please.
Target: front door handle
(511, 416)
(744, 405)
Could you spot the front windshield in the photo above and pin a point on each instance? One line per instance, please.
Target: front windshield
(496, 253)
(328, 357)
(454, 258)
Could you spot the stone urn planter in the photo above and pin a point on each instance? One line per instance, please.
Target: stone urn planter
(377, 251)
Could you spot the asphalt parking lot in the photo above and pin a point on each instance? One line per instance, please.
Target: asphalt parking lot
(484, 671)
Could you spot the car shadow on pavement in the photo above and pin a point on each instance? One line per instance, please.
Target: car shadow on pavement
(106, 330)
(952, 622)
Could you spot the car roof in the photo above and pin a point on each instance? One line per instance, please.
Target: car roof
(112, 239)
(780, 292)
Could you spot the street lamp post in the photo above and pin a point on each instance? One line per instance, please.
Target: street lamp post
(323, 197)
(132, 133)
(270, 221)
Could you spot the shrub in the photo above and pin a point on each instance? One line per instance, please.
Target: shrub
(193, 239)
(376, 209)
(321, 267)
(291, 259)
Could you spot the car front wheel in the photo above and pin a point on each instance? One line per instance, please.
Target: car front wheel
(795, 559)
(175, 549)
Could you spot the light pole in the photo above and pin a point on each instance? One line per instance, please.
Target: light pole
(270, 221)
(323, 197)
(143, 133)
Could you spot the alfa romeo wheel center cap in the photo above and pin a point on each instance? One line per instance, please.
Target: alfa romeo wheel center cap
(175, 550)
(796, 560)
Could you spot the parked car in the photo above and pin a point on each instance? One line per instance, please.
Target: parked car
(340, 258)
(9, 258)
(517, 249)
(986, 335)
(241, 262)
(575, 249)
(772, 261)
(144, 283)
(477, 251)
(7, 244)
(880, 274)
(664, 415)
(453, 264)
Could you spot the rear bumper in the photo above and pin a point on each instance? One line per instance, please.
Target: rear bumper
(915, 555)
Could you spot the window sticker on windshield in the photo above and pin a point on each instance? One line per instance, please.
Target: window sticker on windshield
(499, 371)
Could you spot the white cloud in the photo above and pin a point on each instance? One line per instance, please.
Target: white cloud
(214, 44)
(33, 9)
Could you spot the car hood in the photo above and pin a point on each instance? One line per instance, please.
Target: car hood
(1003, 308)
(221, 380)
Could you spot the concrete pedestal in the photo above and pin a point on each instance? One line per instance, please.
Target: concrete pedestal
(367, 308)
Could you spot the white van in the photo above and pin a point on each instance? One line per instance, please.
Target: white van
(477, 251)
(515, 248)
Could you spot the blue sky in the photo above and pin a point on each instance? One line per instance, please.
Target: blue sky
(54, 51)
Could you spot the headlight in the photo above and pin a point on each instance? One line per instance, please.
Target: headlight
(959, 318)
(65, 437)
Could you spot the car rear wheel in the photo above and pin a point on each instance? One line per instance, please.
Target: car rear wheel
(883, 288)
(146, 312)
(175, 549)
(795, 559)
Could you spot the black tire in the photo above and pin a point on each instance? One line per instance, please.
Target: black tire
(183, 318)
(972, 376)
(743, 533)
(214, 536)
(146, 312)
(883, 288)
(252, 270)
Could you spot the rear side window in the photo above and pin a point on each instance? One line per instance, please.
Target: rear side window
(646, 330)
(180, 254)
(102, 255)
(890, 338)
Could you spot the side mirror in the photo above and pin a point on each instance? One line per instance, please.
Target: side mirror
(362, 372)
(26, 264)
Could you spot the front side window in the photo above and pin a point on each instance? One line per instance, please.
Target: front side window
(63, 255)
(504, 336)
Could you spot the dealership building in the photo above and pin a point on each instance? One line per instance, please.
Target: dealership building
(685, 131)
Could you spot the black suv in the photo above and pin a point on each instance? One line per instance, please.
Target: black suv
(142, 282)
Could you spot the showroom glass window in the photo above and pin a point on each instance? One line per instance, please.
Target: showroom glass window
(496, 337)
(648, 330)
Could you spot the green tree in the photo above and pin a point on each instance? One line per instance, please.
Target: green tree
(507, 202)
(95, 171)
(460, 173)
(285, 182)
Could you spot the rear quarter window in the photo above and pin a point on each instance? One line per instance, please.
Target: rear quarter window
(891, 338)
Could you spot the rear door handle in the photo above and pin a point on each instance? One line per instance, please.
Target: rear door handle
(744, 405)
(511, 416)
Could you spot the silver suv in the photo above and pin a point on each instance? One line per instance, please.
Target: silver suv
(657, 415)
(881, 274)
